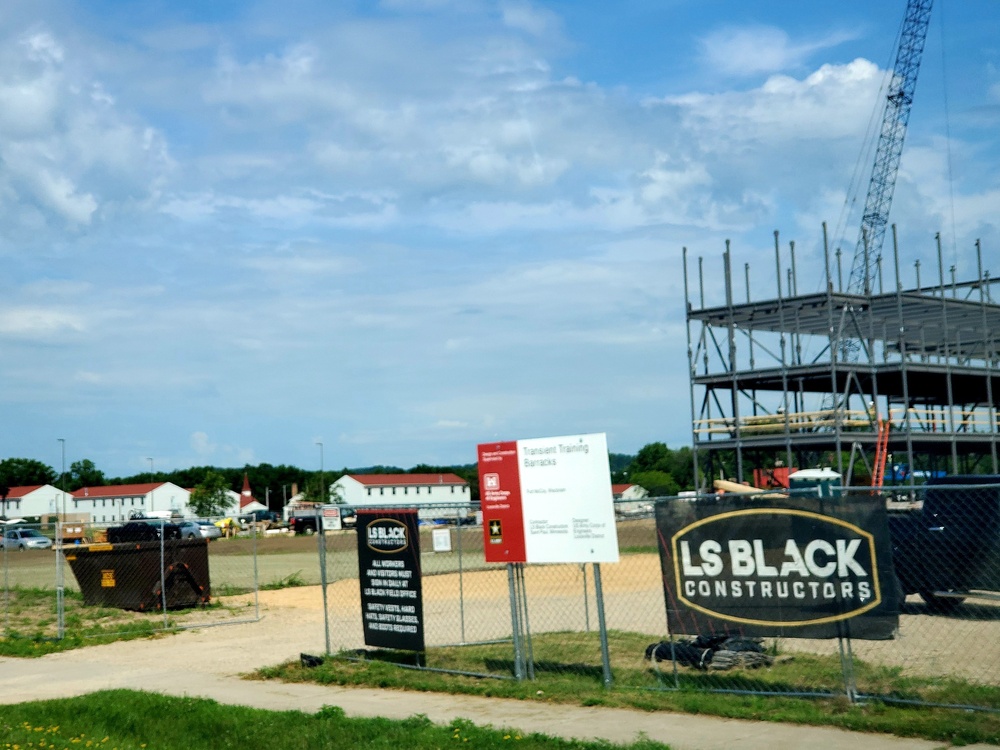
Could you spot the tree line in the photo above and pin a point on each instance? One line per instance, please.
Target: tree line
(659, 469)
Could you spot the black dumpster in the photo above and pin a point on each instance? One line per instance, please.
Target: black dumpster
(127, 575)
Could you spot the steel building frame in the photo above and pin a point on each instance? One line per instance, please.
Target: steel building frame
(927, 368)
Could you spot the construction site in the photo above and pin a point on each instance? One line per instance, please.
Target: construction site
(880, 379)
(901, 380)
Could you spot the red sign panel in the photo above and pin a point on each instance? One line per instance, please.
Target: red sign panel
(500, 499)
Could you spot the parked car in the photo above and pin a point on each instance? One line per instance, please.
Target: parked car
(23, 539)
(203, 529)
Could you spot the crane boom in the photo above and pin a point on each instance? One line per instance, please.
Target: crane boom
(895, 118)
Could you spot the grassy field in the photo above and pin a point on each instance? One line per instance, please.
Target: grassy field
(559, 680)
(126, 720)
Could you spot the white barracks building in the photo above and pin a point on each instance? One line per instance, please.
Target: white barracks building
(411, 490)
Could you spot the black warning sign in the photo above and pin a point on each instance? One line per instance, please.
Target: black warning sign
(389, 566)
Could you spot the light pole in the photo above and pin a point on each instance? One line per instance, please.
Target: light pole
(152, 494)
(62, 477)
(320, 444)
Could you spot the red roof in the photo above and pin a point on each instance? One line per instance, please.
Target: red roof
(16, 492)
(399, 480)
(117, 490)
(617, 489)
(246, 496)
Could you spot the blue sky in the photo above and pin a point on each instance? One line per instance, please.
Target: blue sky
(230, 230)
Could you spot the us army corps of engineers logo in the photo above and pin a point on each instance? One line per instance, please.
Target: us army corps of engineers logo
(496, 531)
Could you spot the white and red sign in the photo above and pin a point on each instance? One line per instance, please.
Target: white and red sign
(548, 500)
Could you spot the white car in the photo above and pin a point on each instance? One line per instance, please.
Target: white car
(23, 539)
(195, 529)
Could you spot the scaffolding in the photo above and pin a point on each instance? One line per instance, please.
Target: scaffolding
(923, 362)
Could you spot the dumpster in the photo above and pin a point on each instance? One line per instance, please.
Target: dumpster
(127, 575)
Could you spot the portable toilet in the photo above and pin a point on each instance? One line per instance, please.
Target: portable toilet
(809, 479)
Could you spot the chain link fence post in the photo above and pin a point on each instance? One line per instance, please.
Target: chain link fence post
(60, 583)
(6, 588)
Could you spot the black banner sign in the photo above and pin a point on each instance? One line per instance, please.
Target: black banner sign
(794, 568)
(389, 572)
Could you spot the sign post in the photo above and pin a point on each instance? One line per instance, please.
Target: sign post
(547, 500)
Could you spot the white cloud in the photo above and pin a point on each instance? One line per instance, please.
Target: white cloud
(43, 47)
(60, 194)
(529, 18)
(38, 322)
(833, 102)
(66, 149)
(201, 444)
(752, 50)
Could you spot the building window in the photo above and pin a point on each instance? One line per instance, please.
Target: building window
(453, 489)
(369, 490)
(381, 490)
(406, 490)
(393, 490)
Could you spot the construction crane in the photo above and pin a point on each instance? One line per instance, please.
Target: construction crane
(875, 217)
(895, 118)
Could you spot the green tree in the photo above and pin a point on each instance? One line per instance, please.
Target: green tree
(312, 491)
(83, 473)
(656, 483)
(682, 467)
(24, 472)
(210, 497)
(652, 457)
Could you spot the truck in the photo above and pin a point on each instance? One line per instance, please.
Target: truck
(950, 547)
(263, 518)
(334, 517)
(138, 530)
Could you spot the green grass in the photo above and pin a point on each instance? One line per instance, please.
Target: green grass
(560, 677)
(30, 628)
(289, 581)
(127, 720)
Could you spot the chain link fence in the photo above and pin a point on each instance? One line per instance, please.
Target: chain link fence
(608, 622)
(84, 580)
